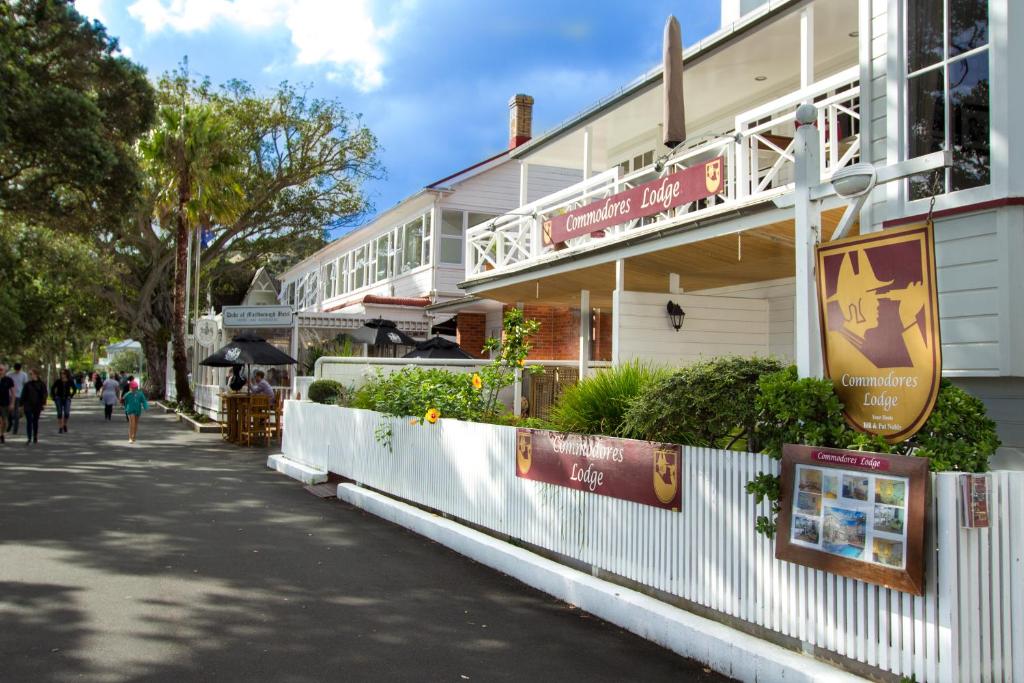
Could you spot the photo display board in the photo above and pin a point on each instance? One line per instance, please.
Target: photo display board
(854, 513)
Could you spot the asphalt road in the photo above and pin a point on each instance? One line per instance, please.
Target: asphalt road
(181, 558)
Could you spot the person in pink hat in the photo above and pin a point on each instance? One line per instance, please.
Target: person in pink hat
(134, 403)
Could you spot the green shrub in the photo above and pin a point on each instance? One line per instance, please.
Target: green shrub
(325, 391)
(412, 391)
(958, 435)
(710, 403)
(598, 403)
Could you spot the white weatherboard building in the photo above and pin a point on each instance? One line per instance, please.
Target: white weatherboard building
(411, 255)
(892, 80)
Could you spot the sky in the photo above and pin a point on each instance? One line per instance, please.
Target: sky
(430, 78)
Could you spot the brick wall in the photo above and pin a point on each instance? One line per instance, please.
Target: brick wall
(471, 332)
(602, 347)
(558, 337)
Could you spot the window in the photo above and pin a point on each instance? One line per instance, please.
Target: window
(360, 267)
(948, 90)
(639, 161)
(451, 236)
(300, 293)
(412, 247)
(329, 278)
(290, 300)
(343, 276)
(427, 231)
(383, 260)
(312, 285)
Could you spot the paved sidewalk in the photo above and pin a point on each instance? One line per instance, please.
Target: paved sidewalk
(182, 558)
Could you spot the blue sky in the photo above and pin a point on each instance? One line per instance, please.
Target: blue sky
(431, 79)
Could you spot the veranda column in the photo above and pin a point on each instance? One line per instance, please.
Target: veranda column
(584, 332)
(806, 146)
(620, 284)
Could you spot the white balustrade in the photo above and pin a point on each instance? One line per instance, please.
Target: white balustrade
(758, 158)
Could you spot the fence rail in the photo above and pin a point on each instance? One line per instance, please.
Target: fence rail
(967, 627)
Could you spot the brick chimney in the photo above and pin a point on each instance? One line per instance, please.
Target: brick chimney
(520, 120)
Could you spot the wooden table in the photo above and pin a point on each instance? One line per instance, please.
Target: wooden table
(236, 411)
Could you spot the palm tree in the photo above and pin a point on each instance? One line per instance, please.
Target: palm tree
(191, 158)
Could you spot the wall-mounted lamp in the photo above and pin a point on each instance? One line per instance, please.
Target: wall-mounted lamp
(675, 315)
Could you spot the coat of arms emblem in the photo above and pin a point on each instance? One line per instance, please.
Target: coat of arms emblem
(524, 450)
(713, 175)
(666, 474)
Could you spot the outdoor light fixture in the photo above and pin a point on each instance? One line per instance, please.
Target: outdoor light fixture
(760, 78)
(854, 181)
(675, 314)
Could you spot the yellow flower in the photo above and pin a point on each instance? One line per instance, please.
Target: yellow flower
(522, 362)
(477, 382)
(432, 415)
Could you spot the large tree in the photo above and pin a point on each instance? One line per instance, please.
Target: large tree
(303, 162)
(71, 109)
(193, 163)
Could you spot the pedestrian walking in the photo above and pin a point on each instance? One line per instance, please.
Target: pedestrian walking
(19, 378)
(6, 400)
(62, 391)
(97, 382)
(126, 386)
(134, 403)
(110, 391)
(33, 400)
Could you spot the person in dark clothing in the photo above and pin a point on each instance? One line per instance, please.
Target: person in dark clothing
(33, 400)
(97, 382)
(6, 400)
(62, 391)
(236, 381)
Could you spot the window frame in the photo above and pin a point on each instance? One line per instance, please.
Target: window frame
(897, 119)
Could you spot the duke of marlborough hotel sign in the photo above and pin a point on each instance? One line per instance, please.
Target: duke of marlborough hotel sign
(880, 328)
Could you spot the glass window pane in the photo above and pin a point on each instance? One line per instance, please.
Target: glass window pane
(924, 33)
(413, 245)
(926, 123)
(969, 121)
(451, 222)
(968, 25)
(476, 219)
(451, 250)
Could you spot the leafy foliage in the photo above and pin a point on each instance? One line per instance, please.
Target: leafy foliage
(510, 354)
(412, 391)
(710, 403)
(598, 403)
(126, 361)
(325, 391)
(958, 435)
(72, 110)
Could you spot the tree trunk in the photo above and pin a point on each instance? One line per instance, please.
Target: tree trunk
(179, 354)
(154, 347)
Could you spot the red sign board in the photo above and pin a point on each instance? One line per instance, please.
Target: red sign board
(682, 187)
(641, 471)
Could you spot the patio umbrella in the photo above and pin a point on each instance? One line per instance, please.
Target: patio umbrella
(380, 332)
(673, 113)
(248, 349)
(437, 347)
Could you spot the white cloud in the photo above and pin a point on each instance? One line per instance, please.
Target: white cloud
(345, 36)
(92, 9)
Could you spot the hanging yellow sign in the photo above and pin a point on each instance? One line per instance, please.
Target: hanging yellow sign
(879, 310)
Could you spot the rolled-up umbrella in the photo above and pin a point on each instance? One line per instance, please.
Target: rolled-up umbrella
(673, 112)
(437, 347)
(248, 349)
(380, 332)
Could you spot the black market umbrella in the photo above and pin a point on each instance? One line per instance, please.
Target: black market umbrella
(248, 349)
(380, 332)
(437, 347)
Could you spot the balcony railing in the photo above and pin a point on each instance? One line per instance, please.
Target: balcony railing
(758, 165)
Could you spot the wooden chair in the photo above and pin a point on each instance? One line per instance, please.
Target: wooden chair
(256, 426)
(277, 423)
(224, 418)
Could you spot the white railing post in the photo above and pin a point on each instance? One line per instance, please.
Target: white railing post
(808, 221)
(947, 537)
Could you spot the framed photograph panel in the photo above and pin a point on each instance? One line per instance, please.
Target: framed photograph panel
(856, 514)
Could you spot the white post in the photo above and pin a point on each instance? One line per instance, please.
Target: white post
(620, 284)
(293, 347)
(806, 146)
(517, 393)
(588, 152)
(584, 332)
(673, 284)
(806, 46)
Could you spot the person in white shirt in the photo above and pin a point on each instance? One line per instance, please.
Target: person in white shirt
(19, 377)
(261, 387)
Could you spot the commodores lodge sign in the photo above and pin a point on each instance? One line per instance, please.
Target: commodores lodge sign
(878, 304)
(676, 189)
(641, 471)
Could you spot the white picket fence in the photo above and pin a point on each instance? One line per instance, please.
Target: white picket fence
(969, 625)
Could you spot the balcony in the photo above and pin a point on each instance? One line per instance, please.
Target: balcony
(757, 166)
